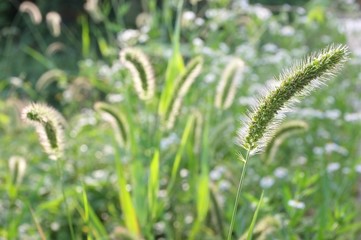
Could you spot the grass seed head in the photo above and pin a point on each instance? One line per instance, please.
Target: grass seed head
(53, 21)
(49, 125)
(182, 86)
(33, 11)
(284, 131)
(17, 166)
(141, 70)
(228, 84)
(294, 83)
(116, 119)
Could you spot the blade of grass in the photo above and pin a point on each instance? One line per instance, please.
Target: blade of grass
(126, 204)
(36, 222)
(96, 228)
(174, 68)
(203, 195)
(85, 36)
(178, 158)
(254, 219)
(153, 185)
(39, 57)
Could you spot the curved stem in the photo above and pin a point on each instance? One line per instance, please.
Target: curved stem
(239, 189)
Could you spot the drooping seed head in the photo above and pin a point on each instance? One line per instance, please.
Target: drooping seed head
(228, 84)
(49, 125)
(141, 70)
(48, 77)
(182, 86)
(17, 166)
(33, 11)
(54, 48)
(284, 131)
(53, 21)
(117, 120)
(294, 83)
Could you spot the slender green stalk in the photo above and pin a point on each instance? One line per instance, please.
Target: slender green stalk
(61, 175)
(239, 189)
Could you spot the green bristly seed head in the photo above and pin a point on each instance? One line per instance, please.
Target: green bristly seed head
(49, 126)
(293, 84)
(141, 70)
(118, 121)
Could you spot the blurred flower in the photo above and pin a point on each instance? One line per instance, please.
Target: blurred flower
(287, 31)
(170, 140)
(333, 147)
(53, 21)
(188, 18)
(346, 170)
(33, 11)
(260, 11)
(318, 150)
(188, 219)
(115, 97)
(296, 204)
(224, 185)
(197, 42)
(281, 172)
(267, 182)
(215, 174)
(183, 173)
(270, 47)
(353, 117)
(128, 37)
(16, 81)
(209, 78)
(199, 21)
(332, 167)
(358, 168)
(55, 226)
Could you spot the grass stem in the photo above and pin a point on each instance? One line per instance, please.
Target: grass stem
(239, 189)
(61, 175)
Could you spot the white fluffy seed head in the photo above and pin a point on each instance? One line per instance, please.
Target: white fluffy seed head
(53, 21)
(117, 120)
(183, 84)
(17, 166)
(141, 70)
(227, 87)
(49, 125)
(33, 11)
(48, 77)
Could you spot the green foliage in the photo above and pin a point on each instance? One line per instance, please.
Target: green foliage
(136, 178)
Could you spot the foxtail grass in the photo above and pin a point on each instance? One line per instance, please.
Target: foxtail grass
(53, 20)
(284, 131)
(33, 11)
(49, 125)
(183, 84)
(141, 70)
(49, 77)
(228, 84)
(117, 120)
(299, 81)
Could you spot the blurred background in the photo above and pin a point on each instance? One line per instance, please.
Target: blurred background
(65, 53)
